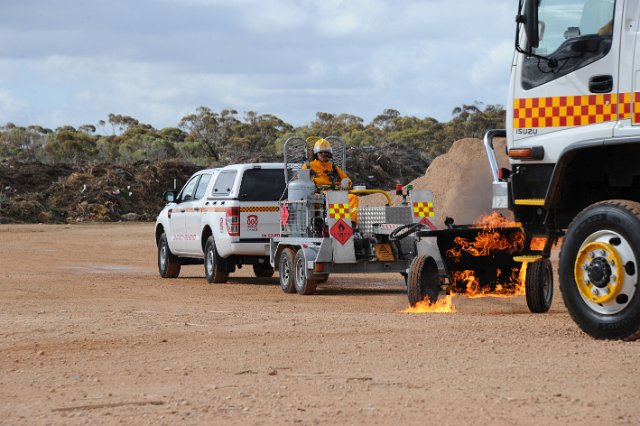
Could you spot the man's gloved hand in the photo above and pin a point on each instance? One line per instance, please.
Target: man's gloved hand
(345, 184)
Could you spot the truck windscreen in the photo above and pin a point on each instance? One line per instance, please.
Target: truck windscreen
(262, 185)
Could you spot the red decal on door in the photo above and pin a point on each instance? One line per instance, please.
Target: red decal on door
(252, 222)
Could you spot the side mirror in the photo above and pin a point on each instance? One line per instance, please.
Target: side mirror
(530, 22)
(169, 196)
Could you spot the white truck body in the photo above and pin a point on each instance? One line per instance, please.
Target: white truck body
(236, 205)
(573, 139)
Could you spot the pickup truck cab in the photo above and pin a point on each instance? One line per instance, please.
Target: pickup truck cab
(223, 218)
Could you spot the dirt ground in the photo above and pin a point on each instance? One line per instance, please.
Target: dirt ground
(91, 334)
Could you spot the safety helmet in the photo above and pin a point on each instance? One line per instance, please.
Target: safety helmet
(322, 145)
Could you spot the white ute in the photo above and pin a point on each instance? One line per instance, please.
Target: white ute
(223, 218)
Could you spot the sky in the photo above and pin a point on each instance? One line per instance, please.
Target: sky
(73, 62)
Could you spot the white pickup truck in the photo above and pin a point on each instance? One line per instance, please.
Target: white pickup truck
(223, 218)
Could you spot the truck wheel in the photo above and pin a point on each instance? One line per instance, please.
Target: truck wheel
(215, 267)
(286, 270)
(168, 263)
(539, 286)
(303, 284)
(263, 271)
(423, 280)
(599, 267)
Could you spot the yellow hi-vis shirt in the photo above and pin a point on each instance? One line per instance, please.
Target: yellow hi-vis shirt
(321, 174)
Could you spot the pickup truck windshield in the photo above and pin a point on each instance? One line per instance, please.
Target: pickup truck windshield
(262, 185)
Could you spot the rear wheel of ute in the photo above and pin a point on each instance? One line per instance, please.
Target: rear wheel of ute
(303, 284)
(423, 280)
(262, 270)
(215, 267)
(539, 286)
(168, 263)
(599, 270)
(286, 270)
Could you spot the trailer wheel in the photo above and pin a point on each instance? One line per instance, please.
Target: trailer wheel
(168, 263)
(303, 284)
(215, 267)
(599, 267)
(539, 286)
(263, 271)
(423, 280)
(286, 270)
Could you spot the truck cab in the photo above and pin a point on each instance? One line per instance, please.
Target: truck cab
(573, 140)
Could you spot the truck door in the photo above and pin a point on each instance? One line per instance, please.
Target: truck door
(569, 93)
(194, 216)
(179, 215)
(629, 73)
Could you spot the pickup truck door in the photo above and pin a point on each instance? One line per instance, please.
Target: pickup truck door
(178, 216)
(194, 217)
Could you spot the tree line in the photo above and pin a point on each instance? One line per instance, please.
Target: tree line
(208, 136)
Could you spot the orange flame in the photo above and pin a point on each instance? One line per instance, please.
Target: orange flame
(444, 305)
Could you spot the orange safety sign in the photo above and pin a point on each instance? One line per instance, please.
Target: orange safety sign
(339, 211)
(423, 209)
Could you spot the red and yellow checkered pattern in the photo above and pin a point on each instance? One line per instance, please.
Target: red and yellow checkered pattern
(569, 111)
(339, 211)
(258, 209)
(422, 209)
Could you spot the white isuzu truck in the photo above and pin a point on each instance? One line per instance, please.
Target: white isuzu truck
(573, 139)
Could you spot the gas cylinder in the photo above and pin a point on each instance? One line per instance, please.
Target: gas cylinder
(302, 187)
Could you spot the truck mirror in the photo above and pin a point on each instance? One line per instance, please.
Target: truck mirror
(531, 22)
(169, 196)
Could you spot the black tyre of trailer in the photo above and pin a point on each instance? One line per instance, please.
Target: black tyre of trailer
(262, 270)
(215, 267)
(599, 267)
(303, 284)
(168, 263)
(286, 270)
(539, 286)
(423, 280)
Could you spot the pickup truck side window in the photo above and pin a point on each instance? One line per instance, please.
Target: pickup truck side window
(202, 186)
(224, 183)
(189, 189)
(573, 34)
(262, 185)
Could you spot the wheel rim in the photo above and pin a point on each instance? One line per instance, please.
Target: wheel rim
(286, 272)
(163, 256)
(209, 262)
(604, 272)
(300, 273)
(547, 284)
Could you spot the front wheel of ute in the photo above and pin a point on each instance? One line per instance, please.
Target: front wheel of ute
(168, 263)
(303, 284)
(539, 286)
(599, 270)
(423, 280)
(286, 270)
(215, 267)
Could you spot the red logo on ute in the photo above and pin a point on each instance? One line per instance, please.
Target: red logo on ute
(252, 222)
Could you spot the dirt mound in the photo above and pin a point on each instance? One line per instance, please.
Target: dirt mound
(460, 181)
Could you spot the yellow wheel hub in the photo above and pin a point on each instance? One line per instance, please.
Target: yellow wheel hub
(599, 272)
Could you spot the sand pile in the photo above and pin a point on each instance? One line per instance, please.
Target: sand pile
(460, 181)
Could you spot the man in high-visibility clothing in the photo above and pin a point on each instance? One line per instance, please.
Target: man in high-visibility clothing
(328, 176)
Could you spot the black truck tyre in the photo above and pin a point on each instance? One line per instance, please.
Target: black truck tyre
(286, 270)
(423, 280)
(303, 284)
(263, 271)
(168, 263)
(539, 286)
(215, 267)
(599, 270)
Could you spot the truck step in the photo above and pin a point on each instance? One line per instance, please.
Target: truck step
(530, 202)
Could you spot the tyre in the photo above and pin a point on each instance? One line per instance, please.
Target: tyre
(303, 284)
(262, 270)
(539, 286)
(599, 267)
(423, 280)
(215, 267)
(286, 270)
(168, 263)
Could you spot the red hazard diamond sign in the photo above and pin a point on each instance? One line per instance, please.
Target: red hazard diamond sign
(341, 231)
